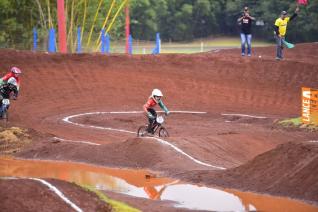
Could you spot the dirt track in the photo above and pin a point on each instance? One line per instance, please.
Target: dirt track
(56, 86)
(31, 195)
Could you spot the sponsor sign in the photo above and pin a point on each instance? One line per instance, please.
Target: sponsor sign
(309, 106)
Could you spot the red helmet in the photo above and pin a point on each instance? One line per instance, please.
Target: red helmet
(16, 70)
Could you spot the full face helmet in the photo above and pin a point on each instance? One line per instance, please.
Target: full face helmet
(156, 95)
(16, 70)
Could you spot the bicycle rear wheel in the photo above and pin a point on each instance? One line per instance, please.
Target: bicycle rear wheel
(163, 132)
(142, 131)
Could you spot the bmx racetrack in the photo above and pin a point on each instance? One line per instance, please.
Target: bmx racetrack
(67, 119)
(234, 143)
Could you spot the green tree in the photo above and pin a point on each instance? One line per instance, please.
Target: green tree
(176, 20)
(204, 19)
(15, 23)
(145, 18)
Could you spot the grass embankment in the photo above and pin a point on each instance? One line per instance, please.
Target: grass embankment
(297, 123)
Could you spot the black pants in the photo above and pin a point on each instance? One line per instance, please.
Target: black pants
(152, 121)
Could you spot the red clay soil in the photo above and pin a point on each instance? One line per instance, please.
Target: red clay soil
(31, 195)
(290, 170)
(55, 86)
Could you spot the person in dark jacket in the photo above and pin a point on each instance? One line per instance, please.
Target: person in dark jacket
(246, 31)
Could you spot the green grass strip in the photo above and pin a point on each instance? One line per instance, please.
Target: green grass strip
(292, 121)
(297, 122)
(117, 206)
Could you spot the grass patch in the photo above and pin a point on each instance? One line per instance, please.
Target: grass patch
(293, 121)
(297, 123)
(117, 206)
(209, 44)
(230, 42)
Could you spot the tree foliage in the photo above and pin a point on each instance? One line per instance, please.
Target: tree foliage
(176, 20)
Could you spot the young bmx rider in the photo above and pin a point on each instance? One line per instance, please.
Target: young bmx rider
(15, 73)
(6, 90)
(153, 100)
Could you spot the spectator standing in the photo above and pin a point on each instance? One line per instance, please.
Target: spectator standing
(280, 29)
(246, 31)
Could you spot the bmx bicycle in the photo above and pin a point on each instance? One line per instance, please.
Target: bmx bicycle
(157, 129)
(4, 114)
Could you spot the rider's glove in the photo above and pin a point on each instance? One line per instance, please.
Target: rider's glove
(167, 113)
(14, 97)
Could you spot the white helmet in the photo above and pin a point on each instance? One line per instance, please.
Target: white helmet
(156, 92)
(16, 70)
(12, 81)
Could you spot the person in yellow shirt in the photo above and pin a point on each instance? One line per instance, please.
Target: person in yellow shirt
(280, 27)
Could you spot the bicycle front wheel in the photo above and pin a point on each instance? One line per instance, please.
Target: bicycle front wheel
(163, 132)
(142, 131)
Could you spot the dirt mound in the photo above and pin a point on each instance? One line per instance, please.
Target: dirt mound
(13, 140)
(291, 170)
(140, 153)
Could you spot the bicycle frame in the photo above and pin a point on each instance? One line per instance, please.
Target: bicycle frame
(156, 127)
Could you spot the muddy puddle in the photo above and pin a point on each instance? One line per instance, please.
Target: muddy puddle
(139, 183)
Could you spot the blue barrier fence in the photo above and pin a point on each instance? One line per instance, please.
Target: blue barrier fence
(157, 49)
(130, 40)
(79, 40)
(35, 39)
(105, 43)
(51, 44)
(103, 40)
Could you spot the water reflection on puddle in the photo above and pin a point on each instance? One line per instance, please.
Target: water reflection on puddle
(143, 184)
